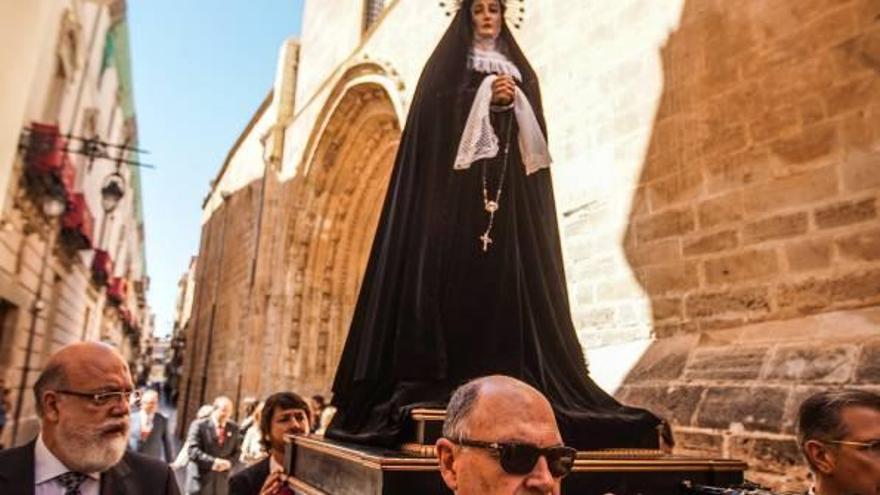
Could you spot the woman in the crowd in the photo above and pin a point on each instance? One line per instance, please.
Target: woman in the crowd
(251, 447)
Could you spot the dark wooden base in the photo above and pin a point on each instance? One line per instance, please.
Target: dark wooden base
(324, 467)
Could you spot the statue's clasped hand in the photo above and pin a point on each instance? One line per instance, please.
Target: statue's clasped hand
(503, 90)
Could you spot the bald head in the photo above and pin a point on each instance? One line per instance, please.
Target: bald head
(150, 401)
(497, 410)
(222, 409)
(466, 405)
(79, 362)
(83, 400)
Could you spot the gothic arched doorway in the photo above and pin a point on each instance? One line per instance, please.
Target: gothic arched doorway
(339, 198)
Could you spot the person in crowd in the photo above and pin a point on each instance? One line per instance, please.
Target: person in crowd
(4, 406)
(214, 445)
(183, 456)
(149, 430)
(325, 418)
(480, 455)
(166, 392)
(318, 406)
(250, 406)
(82, 398)
(284, 414)
(251, 447)
(839, 434)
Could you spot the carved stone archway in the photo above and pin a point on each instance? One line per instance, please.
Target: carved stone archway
(339, 199)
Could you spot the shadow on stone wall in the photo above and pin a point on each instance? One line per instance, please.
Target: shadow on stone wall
(754, 228)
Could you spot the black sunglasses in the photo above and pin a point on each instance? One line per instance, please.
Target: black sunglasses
(520, 458)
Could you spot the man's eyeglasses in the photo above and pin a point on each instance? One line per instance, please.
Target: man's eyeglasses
(520, 458)
(872, 448)
(99, 399)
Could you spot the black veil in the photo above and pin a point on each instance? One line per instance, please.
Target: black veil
(435, 311)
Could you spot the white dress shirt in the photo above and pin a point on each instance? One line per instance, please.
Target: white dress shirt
(146, 423)
(275, 466)
(47, 468)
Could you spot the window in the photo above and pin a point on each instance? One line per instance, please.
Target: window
(57, 92)
(89, 130)
(372, 10)
(67, 63)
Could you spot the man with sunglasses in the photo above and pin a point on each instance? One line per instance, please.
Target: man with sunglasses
(839, 434)
(500, 438)
(83, 398)
(284, 414)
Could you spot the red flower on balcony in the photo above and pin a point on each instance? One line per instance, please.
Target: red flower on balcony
(48, 165)
(117, 291)
(46, 149)
(102, 267)
(78, 224)
(125, 315)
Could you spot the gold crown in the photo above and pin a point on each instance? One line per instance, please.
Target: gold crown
(516, 10)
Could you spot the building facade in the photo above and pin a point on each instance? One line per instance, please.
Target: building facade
(716, 179)
(72, 263)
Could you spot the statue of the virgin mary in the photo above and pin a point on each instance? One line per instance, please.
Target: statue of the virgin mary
(465, 277)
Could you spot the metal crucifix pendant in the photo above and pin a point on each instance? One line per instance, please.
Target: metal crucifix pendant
(486, 241)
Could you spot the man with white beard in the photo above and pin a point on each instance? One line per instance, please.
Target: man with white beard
(82, 398)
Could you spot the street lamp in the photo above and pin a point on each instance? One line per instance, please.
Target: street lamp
(53, 207)
(112, 193)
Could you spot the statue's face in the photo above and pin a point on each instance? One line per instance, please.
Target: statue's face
(486, 15)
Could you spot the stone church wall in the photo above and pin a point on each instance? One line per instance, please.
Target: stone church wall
(725, 170)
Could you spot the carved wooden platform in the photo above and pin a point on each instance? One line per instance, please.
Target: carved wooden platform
(324, 467)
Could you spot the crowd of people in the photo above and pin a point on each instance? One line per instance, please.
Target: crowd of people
(93, 441)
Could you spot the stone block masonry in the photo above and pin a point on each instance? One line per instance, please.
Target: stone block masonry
(752, 225)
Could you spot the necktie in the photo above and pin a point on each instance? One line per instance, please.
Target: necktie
(71, 482)
(221, 435)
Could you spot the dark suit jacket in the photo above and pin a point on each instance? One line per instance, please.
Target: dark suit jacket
(250, 480)
(203, 449)
(135, 474)
(158, 442)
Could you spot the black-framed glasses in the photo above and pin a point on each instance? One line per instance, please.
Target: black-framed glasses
(99, 399)
(872, 447)
(520, 458)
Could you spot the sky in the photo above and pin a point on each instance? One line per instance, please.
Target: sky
(201, 68)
